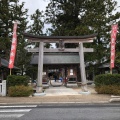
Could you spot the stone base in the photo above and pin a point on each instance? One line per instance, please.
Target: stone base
(39, 91)
(85, 93)
(84, 88)
(39, 94)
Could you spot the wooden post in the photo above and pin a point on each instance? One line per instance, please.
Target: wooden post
(110, 70)
(40, 68)
(82, 68)
(10, 71)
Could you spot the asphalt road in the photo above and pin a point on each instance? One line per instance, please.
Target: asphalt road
(61, 112)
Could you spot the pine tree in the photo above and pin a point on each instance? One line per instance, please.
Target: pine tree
(11, 10)
(6, 27)
(95, 16)
(22, 56)
(36, 28)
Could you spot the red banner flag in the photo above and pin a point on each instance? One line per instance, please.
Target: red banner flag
(13, 47)
(113, 42)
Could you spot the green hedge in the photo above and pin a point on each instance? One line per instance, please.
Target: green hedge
(107, 84)
(107, 79)
(20, 91)
(13, 80)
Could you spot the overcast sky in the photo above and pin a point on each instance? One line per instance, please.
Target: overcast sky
(32, 5)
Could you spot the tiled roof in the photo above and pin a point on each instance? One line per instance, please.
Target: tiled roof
(57, 58)
(5, 63)
(59, 37)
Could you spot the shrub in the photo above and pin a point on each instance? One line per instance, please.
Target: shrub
(20, 91)
(108, 89)
(107, 84)
(107, 79)
(13, 80)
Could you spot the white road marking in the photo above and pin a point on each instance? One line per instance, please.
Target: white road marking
(11, 115)
(15, 110)
(19, 106)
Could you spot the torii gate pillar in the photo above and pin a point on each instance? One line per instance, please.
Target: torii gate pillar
(82, 70)
(39, 90)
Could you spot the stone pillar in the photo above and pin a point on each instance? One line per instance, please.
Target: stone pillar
(40, 68)
(82, 69)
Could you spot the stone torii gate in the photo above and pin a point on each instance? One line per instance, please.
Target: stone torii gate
(61, 40)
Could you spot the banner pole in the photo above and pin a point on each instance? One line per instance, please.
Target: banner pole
(10, 71)
(110, 70)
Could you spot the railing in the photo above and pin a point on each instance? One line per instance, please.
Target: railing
(3, 88)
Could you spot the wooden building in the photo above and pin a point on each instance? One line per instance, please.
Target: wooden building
(65, 65)
(105, 69)
(4, 70)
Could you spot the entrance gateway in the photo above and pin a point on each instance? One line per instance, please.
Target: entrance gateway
(61, 40)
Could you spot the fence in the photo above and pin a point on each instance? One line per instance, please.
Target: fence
(3, 88)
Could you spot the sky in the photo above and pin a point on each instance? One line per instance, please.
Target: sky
(32, 5)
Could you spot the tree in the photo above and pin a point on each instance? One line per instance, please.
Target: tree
(96, 16)
(22, 56)
(36, 28)
(11, 10)
(6, 27)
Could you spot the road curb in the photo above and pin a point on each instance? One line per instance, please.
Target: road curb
(34, 103)
(114, 100)
(115, 96)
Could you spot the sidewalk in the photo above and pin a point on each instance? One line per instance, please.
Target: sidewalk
(59, 95)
